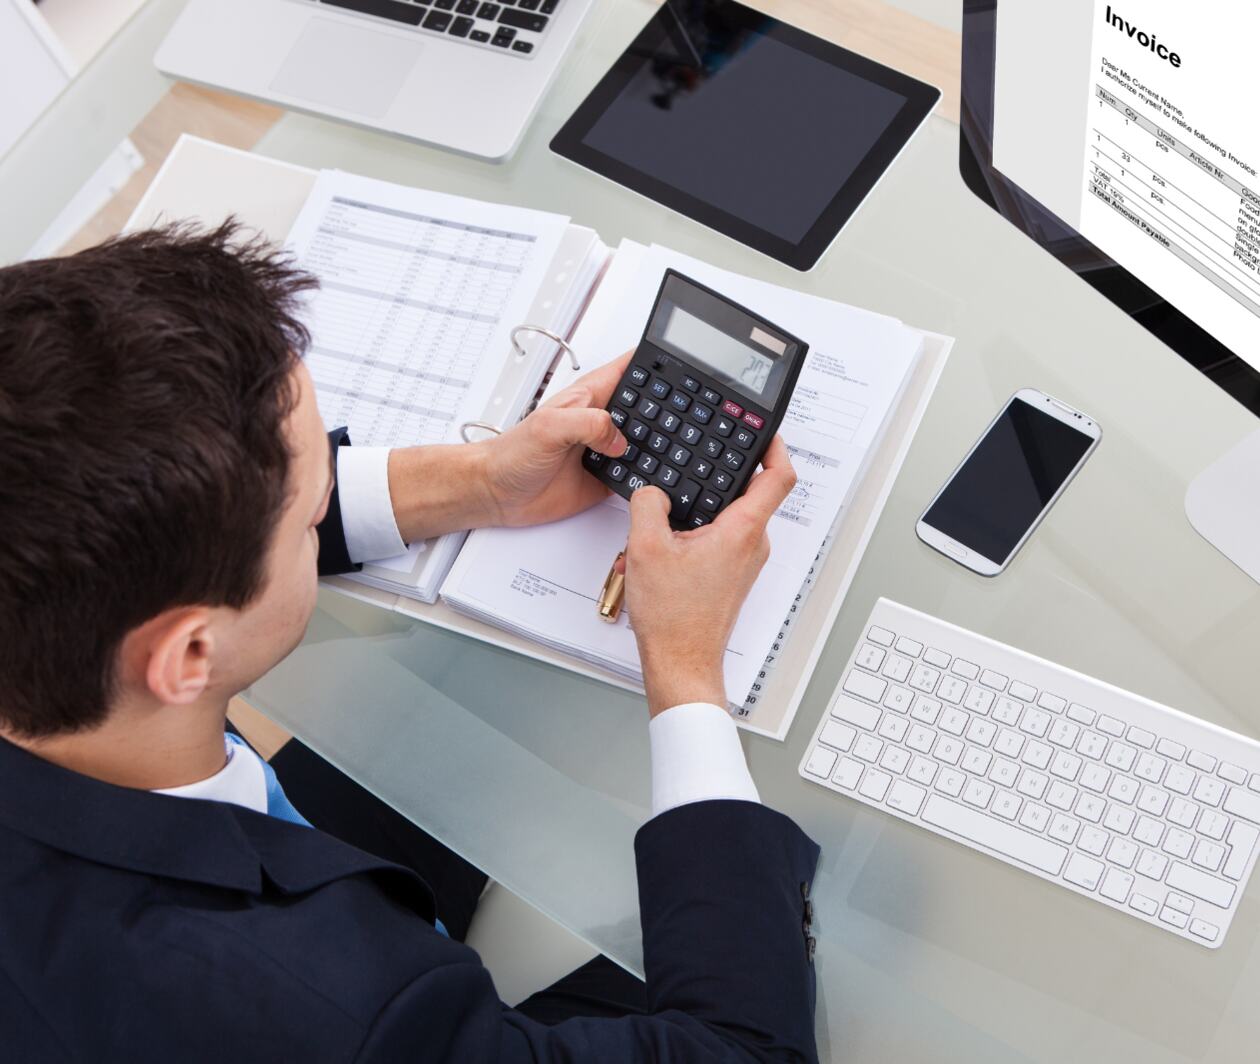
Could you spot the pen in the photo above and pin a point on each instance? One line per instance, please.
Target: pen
(613, 592)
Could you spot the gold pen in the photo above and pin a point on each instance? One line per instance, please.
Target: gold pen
(613, 592)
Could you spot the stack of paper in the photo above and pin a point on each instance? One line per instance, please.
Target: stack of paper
(543, 583)
(410, 328)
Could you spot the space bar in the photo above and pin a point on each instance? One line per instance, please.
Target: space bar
(408, 13)
(1016, 844)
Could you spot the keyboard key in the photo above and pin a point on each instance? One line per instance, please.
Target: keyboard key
(1006, 805)
(1242, 840)
(1004, 773)
(897, 668)
(1150, 767)
(882, 636)
(1064, 733)
(647, 463)
(1064, 828)
(661, 388)
(1119, 819)
(1053, 703)
(436, 20)
(966, 669)
(976, 761)
(680, 401)
(1200, 885)
(1179, 779)
(1152, 800)
(1152, 865)
(951, 782)
(936, 658)
(906, 797)
(1122, 852)
(837, 735)
(926, 710)
(1141, 737)
(1081, 714)
(732, 409)
(518, 19)
(1090, 807)
(384, 9)
(1037, 754)
(701, 413)
(1201, 761)
(1110, 725)
(1116, 885)
(480, 36)
(856, 712)
(899, 699)
(669, 476)
(1008, 743)
(670, 421)
(1060, 795)
(821, 762)
(981, 731)
(1084, 871)
(1171, 916)
(867, 748)
(679, 455)
(893, 728)
(722, 480)
(1032, 784)
(1121, 757)
(922, 771)
(616, 472)
(848, 772)
(1213, 825)
(1146, 906)
(952, 689)
(895, 760)
(745, 439)
(1022, 691)
(1035, 722)
(648, 408)
(723, 426)
(1244, 804)
(1007, 711)
(702, 468)
(1170, 749)
(462, 26)
(1093, 840)
(1210, 791)
(909, 646)
(1179, 902)
(920, 738)
(1148, 831)
(1015, 843)
(1208, 855)
(979, 699)
(954, 721)
(732, 459)
(690, 435)
(875, 785)
(711, 397)
(947, 750)
(1231, 773)
(870, 657)
(638, 376)
(924, 679)
(1178, 842)
(1091, 745)
(1034, 817)
(994, 680)
(1204, 930)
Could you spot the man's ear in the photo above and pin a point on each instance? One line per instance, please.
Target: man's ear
(170, 656)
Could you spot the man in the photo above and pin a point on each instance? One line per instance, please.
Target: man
(166, 495)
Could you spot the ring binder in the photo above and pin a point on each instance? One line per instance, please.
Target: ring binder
(485, 426)
(564, 346)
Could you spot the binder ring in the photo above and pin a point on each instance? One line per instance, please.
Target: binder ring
(522, 353)
(485, 426)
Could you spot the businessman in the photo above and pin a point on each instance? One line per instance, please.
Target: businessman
(167, 496)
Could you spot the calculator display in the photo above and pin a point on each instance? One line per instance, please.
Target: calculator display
(719, 351)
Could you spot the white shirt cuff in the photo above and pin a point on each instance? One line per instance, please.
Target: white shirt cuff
(367, 511)
(696, 757)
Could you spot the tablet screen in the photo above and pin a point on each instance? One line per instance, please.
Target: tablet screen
(747, 125)
(742, 134)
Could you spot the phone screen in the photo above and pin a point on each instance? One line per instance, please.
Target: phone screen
(1008, 480)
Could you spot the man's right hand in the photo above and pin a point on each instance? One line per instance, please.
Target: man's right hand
(684, 590)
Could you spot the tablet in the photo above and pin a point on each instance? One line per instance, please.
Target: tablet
(747, 125)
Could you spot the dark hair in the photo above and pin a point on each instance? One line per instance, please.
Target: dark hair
(144, 390)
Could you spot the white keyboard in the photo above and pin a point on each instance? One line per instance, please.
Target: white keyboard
(1138, 806)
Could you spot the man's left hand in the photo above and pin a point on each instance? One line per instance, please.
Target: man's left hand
(533, 473)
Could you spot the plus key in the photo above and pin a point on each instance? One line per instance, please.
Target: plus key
(684, 497)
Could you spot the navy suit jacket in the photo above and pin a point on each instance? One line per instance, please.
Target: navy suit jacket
(141, 927)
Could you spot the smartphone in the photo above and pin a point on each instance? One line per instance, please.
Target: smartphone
(1009, 480)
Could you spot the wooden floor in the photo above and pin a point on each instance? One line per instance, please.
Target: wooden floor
(870, 27)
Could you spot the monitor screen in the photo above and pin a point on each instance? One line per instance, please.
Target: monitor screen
(1134, 122)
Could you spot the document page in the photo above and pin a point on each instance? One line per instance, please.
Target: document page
(1136, 123)
(545, 582)
(418, 294)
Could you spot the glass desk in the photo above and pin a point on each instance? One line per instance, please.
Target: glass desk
(927, 950)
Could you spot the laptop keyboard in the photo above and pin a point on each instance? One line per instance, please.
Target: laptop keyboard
(512, 26)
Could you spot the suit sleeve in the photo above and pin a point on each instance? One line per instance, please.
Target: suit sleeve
(334, 554)
(723, 889)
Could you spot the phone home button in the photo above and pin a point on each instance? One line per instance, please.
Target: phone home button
(955, 551)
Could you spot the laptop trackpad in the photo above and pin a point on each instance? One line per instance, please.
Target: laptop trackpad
(347, 68)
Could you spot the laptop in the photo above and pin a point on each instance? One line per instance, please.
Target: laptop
(466, 75)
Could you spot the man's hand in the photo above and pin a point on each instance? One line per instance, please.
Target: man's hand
(530, 475)
(684, 590)
(534, 473)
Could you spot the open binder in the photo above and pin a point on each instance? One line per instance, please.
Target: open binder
(208, 182)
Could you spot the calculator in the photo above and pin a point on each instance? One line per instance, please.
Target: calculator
(700, 401)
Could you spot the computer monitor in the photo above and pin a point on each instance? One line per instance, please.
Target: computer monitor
(1122, 137)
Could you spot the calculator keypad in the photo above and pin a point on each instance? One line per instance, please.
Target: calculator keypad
(684, 438)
